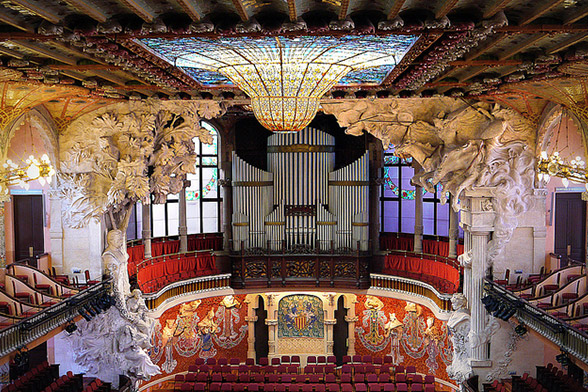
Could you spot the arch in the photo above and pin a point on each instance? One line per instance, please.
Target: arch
(42, 123)
(550, 120)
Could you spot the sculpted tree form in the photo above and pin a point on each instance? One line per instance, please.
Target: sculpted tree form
(126, 153)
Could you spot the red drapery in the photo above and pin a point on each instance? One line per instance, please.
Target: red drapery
(152, 277)
(443, 276)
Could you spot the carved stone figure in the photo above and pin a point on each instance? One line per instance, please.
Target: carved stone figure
(459, 328)
(116, 341)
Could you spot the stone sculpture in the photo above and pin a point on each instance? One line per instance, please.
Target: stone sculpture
(459, 328)
(115, 342)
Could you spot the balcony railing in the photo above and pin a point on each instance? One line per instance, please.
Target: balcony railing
(36, 326)
(186, 287)
(562, 334)
(412, 287)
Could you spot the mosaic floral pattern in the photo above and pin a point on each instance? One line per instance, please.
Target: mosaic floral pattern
(406, 331)
(301, 316)
(204, 328)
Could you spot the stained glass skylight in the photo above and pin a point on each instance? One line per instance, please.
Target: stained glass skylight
(285, 76)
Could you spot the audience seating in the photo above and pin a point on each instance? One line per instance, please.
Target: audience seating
(285, 374)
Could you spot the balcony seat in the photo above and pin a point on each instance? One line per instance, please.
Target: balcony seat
(551, 287)
(544, 305)
(67, 295)
(569, 296)
(23, 296)
(573, 277)
(44, 288)
(28, 313)
(526, 296)
(561, 315)
(48, 304)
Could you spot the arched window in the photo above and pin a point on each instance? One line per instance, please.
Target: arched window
(397, 205)
(203, 201)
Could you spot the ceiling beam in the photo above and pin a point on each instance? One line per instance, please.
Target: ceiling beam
(445, 7)
(577, 15)
(12, 53)
(540, 11)
(567, 43)
(486, 63)
(47, 52)
(241, 10)
(18, 23)
(88, 9)
(521, 46)
(43, 12)
(495, 8)
(395, 9)
(292, 12)
(344, 9)
(492, 42)
(140, 9)
(82, 67)
(189, 6)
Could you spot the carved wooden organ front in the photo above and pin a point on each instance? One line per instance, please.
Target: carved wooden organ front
(301, 203)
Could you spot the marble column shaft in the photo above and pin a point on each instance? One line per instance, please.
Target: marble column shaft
(146, 232)
(183, 228)
(479, 243)
(418, 219)
(453, 232)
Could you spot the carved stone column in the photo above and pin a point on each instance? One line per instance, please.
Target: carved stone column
(251, 336)
(376, 163)
(330, 340)
(55, 233)
(272, 337)
(227, 189)
(146, 232)
(478, 311)
(453, 231)
(183, 227)
(478, 217)
(418, 219)
(351, 320)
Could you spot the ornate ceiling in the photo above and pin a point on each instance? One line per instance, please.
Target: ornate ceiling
(76, 55)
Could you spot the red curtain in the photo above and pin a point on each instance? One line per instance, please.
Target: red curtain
(416, 268)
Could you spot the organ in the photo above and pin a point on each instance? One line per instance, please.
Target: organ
(301, 203)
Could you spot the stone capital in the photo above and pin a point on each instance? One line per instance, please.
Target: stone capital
(351, 319)
(251, 319)
(330, 322)
(271, 322)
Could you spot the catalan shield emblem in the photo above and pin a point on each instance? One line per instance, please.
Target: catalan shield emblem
(300, 321)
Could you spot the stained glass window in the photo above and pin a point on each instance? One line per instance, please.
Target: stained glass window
(203, 201)
(398, 205)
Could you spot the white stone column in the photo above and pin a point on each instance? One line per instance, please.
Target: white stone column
(330, 340)
(56, 233)
(351, 320)
(251, 335)
(183, 227)
(453, 232)
(477, 310)
(146, 232)
(2, 240)
(272, 337)
(418, 219)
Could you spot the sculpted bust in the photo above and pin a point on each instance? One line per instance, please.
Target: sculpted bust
(459, 328)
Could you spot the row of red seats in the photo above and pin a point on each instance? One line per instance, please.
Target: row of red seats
(555, 380)
(34, 380)
(295, 387)
(67, 383)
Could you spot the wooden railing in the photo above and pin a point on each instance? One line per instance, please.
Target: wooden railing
(411, 287)
(185, 287)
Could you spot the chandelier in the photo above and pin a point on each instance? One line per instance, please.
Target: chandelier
(285, 77)
(555, 165)
(12, 174)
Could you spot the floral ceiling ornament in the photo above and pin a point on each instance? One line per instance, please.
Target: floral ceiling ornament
(126, 153)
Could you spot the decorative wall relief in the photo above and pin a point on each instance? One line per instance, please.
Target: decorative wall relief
(301, 316)
(407, 332)
(204, 328)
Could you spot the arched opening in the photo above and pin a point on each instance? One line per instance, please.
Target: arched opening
(261, 331)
